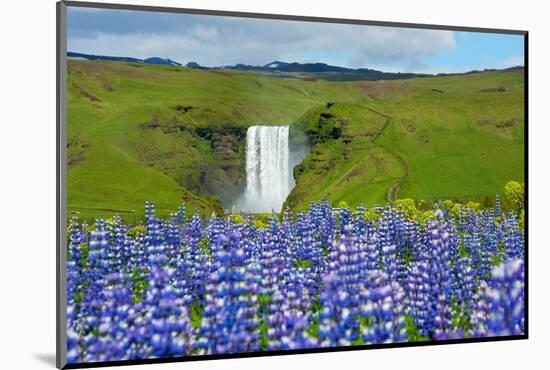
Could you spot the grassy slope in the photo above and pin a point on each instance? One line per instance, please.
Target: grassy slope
(436, 144)
(108, 102)
(399, 138)
(351, 168)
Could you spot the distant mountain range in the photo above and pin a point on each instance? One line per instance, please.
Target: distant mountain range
(276, 64)
(342, 72)
(324, 71)
(313, 70)
(152, 60)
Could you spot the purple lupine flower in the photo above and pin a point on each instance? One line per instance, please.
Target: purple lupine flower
(383, 310)
(347, 268)
(500, 308)
(114, 339)
(372, 255)
(287, 323)
(513, 238)
(74, 351)
(418, 295)
(505, 297)
(335, 316)
(306, 271)
(94, 274)
(480, 312)
(230, 322)
(464, 282)
(170, 332)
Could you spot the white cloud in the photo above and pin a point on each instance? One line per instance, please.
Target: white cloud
(214, 41)
(513, 61)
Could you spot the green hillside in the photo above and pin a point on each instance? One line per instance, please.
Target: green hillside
(170, 134)
(173, 134)
(454, 137)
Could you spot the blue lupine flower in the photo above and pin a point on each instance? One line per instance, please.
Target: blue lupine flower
(505, 297)
(230, 322)
(383, 310)
(188, 285)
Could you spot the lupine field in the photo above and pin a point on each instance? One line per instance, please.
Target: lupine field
(186, 285)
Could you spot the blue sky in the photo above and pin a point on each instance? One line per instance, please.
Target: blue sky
(217, 41)
(481, 49)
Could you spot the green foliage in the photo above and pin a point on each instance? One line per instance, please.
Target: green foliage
(456, 208)
(314, 320)
(460, 316)
(462, 249)
(408, 207)
(473, 206)
(264, 340)
(79, 296)
(261, 220)
(427, 216)
(448, 204)
(498, 258)
(90, 228)
(364, 322)
(371, 214)
(326, 127)
(413, 334)
(204, 245)
(343, 204)
(237, 218)
(84, 250)
(515, 193)
(139, 284)
(303, 264)
(263, 302)
(422, 205)
(196, 312)
(79, 293)
(522, 219)
(137, 230)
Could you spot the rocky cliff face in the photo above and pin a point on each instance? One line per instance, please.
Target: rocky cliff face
(209, 161)
(226, 177)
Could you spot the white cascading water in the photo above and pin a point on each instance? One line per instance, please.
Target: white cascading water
(268, 178)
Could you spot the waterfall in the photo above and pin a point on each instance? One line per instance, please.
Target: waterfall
(268, 177)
